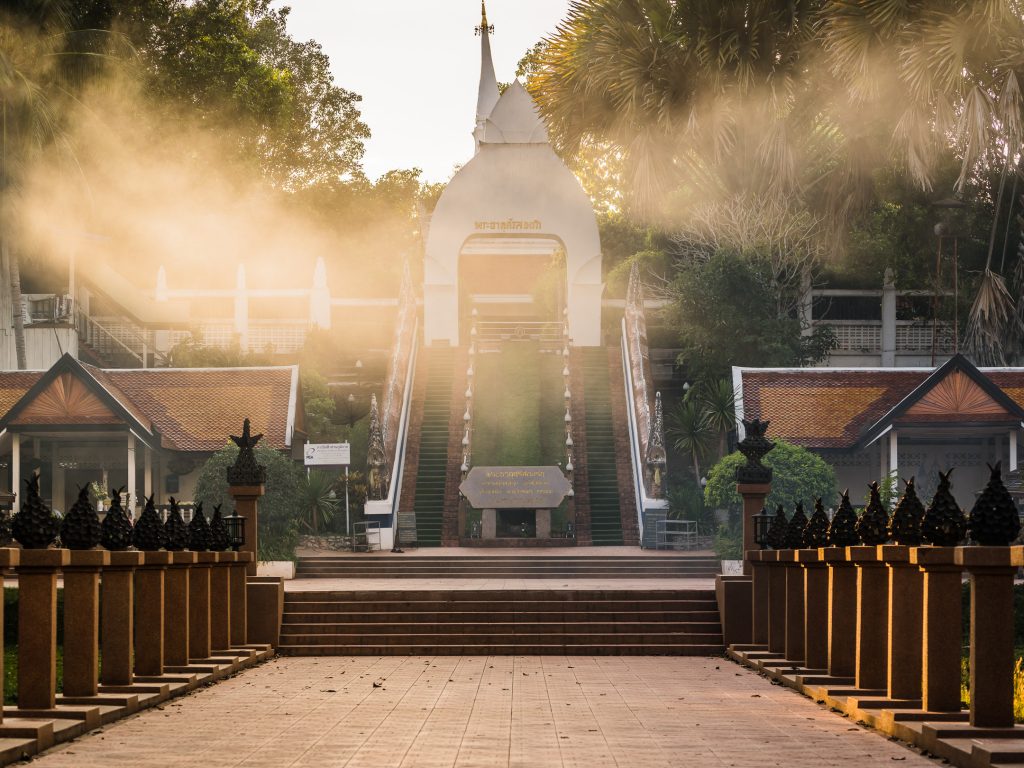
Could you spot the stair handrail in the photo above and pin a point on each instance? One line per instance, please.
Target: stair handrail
(84, 320)
(144, 346)
(636, 448)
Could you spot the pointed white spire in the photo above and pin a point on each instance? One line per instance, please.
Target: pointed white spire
(161, 284)
(487, 94)
(320, 297)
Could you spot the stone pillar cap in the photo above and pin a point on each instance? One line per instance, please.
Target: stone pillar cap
(244, 557)
(126, 559)
(43, 558)
(247, 490)
(205, 558)
(226, 557)
(927, 556)
(183, 558)
(753, 489)
(863, 554)
(832, 554)
(8, 556)
(808, 556)
(88, 558)
(894, 553)
(786, 555)
(990, 557)
(158, 558)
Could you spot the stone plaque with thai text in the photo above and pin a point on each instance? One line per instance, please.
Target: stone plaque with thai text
(515, 487)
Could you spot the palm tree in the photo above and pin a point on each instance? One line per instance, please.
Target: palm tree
(719, 405)
(691, 431)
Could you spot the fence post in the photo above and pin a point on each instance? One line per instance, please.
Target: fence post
(118, 619)
(176, 609)
(759, 589)
(37, 626)
(239, 600)
(905, 620)
(246, 478)
(220, 601)
(794, 577)
(82, 621)
(942, 631)
(199, 606)
(776, 602)
(842, 612)
(992, 570)
(815, 575)
(149, 614)
(871, 671)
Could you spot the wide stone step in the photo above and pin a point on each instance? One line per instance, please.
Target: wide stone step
(303, 617)
(489, 627)
(505, 649)
(584, 635)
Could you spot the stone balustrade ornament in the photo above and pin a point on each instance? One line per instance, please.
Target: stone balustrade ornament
(873, 526)
(376, 457)
(754, 446)
(905, 525)
(816, 532)
(994, 521)
(944, 524)
(777, 529)
(35, 526)
(148, 533)
(199, 531)
(842, 531)
(796, 528)
(116, 528)
(220, 539)
(246, 471)
(656, 456)
(80, 528)
(175, 530)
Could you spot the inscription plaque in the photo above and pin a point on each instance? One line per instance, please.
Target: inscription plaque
(515, 487)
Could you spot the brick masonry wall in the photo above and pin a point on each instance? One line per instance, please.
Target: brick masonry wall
(581, 478)
(456, 429)
(623, 455)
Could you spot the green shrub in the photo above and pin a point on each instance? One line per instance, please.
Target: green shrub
(278, 509)
(798, 475)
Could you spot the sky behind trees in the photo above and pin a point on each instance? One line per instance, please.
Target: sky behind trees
(416, 63)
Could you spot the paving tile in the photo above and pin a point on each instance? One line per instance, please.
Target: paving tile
(469, 712)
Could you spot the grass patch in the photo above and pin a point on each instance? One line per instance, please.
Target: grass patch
(518, 408)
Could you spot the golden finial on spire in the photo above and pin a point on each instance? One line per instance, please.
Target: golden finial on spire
(484, 26)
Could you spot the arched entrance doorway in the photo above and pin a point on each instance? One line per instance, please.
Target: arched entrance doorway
(514, 286)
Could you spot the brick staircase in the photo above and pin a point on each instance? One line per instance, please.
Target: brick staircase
(603, 484)
(507, 566)
(432, 466)
(677, 622)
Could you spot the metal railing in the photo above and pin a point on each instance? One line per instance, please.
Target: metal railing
(111, 340)
(548, 333)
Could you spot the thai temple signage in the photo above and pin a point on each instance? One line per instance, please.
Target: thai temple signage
(508, 225)
(515, 487)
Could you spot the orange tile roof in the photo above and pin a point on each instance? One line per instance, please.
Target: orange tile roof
(833, 407)
(196, 409)
(191, 409)
(14, 385)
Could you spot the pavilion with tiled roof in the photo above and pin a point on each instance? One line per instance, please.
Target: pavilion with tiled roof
(870, 422)
(75, 423)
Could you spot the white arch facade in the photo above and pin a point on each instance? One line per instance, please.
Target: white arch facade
(514, 189)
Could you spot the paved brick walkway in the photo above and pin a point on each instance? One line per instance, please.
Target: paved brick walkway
(640, 712)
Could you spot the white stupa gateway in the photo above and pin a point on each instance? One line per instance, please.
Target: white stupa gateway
(512, 221)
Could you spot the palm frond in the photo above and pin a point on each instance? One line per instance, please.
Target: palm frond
(994, 328)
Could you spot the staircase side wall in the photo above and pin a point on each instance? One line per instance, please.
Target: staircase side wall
(581, 476)
(623, 453)
(406, 506)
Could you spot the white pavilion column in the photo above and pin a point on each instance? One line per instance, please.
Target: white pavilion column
(131, 470)
(56, 482)
(1014, 436)
(894, 454)
(147, 473)
(241, 309)
(16, 468)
